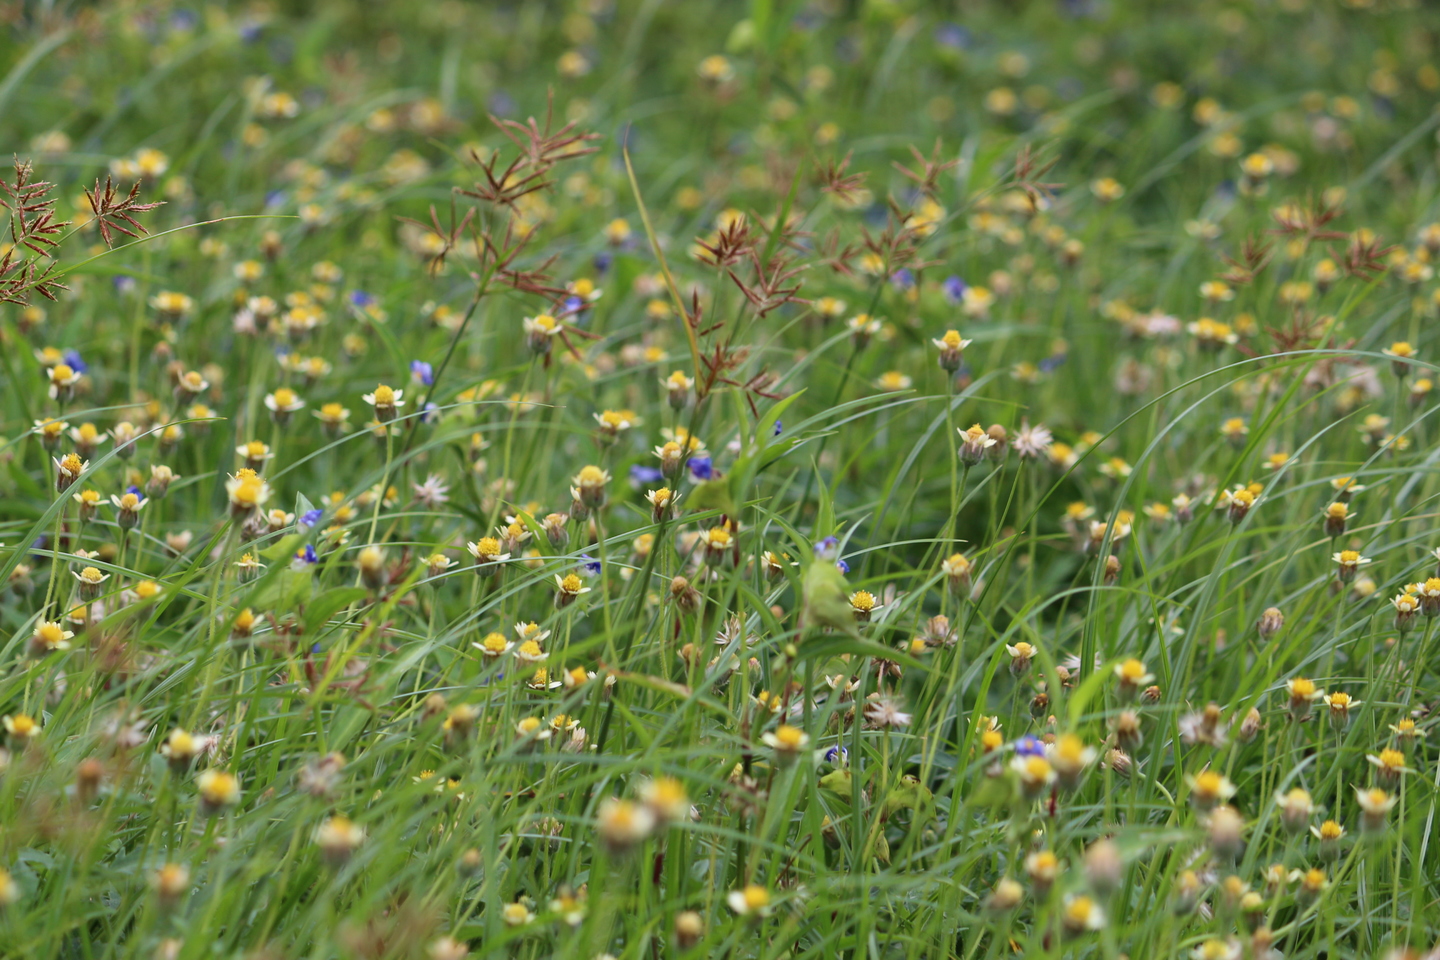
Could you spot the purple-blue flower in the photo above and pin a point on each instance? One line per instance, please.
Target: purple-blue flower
(1028, 746)
(702, 468)
(954, 289)
(422, 372)
(73, 361)
(640, 474)
(311, 517)
(590, 565)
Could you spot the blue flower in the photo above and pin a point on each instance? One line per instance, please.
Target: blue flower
(501, 103)
(779, 429)
(305, 558)
(640, 474)
(574, 304)
(842, 566)
(702, 468)
(1029, 746)
(184, 21)
(827, 548)
(135, 490)
(837, 756)
(124, 284)
(903, 279)
(602, 262)
(274, 199)
(590, 565)
(952, 35)
(431, 414)
(954, 289)
(311, 517)
(422, 372)
(73, 361)
(360, 299)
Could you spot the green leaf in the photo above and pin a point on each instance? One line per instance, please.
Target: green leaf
(322, 608)
(765, 429)
(283, 593)
(284, 548)
(825, 599)
(715, 494)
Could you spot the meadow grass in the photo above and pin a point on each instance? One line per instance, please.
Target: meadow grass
(770, 480)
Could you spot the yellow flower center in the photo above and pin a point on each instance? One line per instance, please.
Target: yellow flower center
(1037, 769)
(1209, 784)
(1070, 749)
(756, 897)
(789, 738)
(247, 491)
(384, 396)
(1079, 910)
(1391, 759)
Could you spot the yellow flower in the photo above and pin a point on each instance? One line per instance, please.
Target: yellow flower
(1208, 788)
(753, 900)
(218, 790)
(623, 824)
(49, 637)
(787, 741)
(21, 726)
